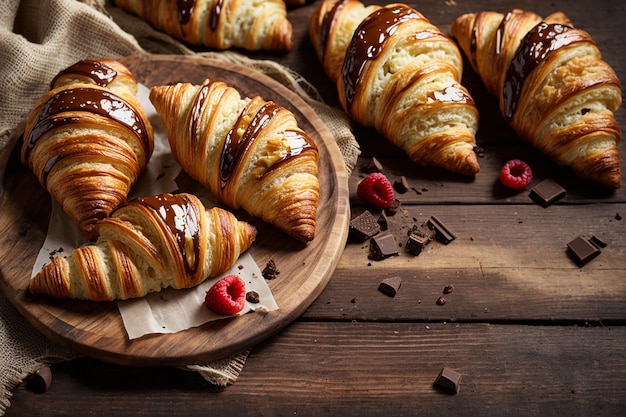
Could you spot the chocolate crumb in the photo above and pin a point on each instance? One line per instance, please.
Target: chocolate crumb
(252, 297)
(270, 271)
(418, 192)
(353, 301)
(618, 216)
(441, 301)
(448, 289)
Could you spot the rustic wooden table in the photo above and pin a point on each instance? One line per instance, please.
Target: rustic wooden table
(530, 331)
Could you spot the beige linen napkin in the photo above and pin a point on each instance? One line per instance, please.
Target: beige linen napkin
(37, 39)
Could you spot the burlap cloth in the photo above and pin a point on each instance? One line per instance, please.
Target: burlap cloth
(37, 39)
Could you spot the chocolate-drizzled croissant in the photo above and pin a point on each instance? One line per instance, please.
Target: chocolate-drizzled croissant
(88, 139)
(147, 244)
(248, 152)
(218, 24)
(399, 73)
(552, 86)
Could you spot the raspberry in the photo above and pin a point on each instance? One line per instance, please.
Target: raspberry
(516, 174)
(227, 296)
(376, 189)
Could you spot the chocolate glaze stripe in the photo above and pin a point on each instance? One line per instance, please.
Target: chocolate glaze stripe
(100, 73)
(216, 12)
(236, 146)
(367, 43)
(327, 25)
(181, 219)
(536, 47)
(184, 10)
(92, 100)
(196, 109)
(299, 142)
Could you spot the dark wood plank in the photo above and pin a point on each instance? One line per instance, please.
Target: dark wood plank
(313, 369)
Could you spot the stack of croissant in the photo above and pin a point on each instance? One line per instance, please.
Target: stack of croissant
(552, 85)
(87, 140)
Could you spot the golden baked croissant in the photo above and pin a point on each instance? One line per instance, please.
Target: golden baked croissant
(552, 86)
(219, 24)
(248, 152)
(87, 140)
(147, 244)
(399, 73)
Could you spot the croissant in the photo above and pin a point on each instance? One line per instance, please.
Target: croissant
(399, 73)
(145, 245)
(552, 85)
(250, 153)
(219, 24)
(88, 139)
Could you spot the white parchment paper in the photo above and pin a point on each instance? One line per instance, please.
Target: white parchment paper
(170, 310)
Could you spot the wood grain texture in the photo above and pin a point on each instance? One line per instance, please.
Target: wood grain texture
(96, 329)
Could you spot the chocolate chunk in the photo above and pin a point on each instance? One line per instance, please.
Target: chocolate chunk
(597, 242)
(582, 250)
(448, 380)
(252, 297)
(364, 226)
(383, 246)
(270, 271)
(441, 301)
(547, 192)
(393, 208)
(401, 185)
(390, 286)
(383, 221)
(40, 381)
(416, 243)
(448, 289)
(442, 233)
(374, 166)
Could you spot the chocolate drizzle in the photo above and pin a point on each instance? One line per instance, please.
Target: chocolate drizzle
(196, 108)
(184, 9)
(236, 145)
(500, 31)
(368, 42)
(299, 142)
(182, 220)
(98, 72)
(327, 25)
(534, 49)
(214, 17)
(84, 99)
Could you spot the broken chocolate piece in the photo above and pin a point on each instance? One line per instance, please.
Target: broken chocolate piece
(448, 380)
(383, 246)
(252, 297)
(441, 301)
(364, 226)
(442, 233)
(597, 242)
(270, 271)
(374, 166)
(390, 286)
(448, 289)
(401, 185)
(582, 250)
(40, 380)
(383, 221)
(393, 208)
(416, 243)
(547, 192)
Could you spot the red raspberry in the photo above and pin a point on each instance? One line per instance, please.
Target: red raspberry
(227, 296)
(376, 189)
(516, 174)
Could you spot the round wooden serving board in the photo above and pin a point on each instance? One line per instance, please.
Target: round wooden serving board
(96, 329)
